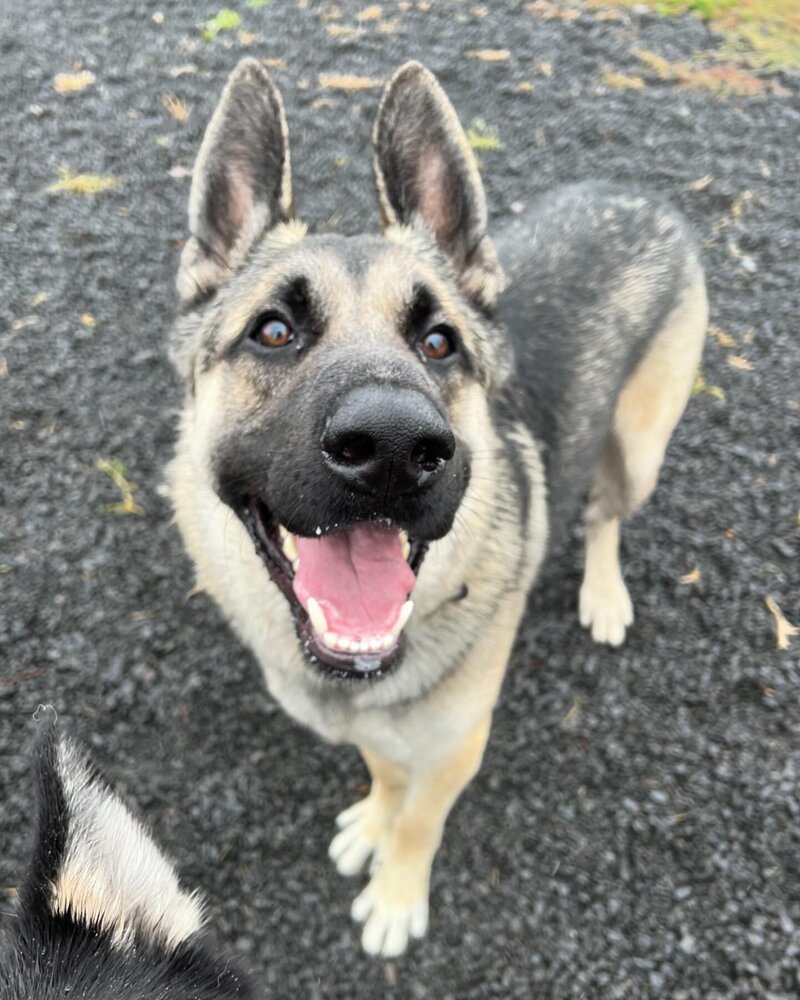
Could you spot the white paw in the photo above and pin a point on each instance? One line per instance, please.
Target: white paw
(388, 927)
(354, 844)
(605, 608)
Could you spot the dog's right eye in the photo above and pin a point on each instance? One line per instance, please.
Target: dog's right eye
(273, 331)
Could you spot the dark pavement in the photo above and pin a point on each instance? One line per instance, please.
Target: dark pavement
(635, 830)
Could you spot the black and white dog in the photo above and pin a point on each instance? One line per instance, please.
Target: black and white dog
(101, 913)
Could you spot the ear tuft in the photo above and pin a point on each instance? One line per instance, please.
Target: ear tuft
(94, 862)
(426, 174)
(241, 183)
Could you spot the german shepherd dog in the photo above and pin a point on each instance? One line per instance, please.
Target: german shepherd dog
(101, 915)
(381, 433)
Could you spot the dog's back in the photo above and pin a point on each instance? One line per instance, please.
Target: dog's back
(101, 915)
(595, 271)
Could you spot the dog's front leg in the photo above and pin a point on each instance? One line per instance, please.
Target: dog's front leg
(365, 827)
(394, 905)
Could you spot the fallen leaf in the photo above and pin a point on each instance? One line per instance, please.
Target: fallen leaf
(323, 102)
(246, 37)
(370, 14)
(489, 55)
(701, 387)
(572, 711)
(701, 183)
(39, 299)
(722, 338)
(619, 81)
(117, 473)
(343, 30)
(724, 80)
(18, 325)
(71, 183)
(177, 107)
(694, 576)
(158, 17)
(73, 83)
(187, 69)
(179, 171)
(784, 630)
(547, 11)
(347, 82)
(526, 87)
(256, 4)
(88, 321)
(225, 20)
(737, 361)
(545, 68)
(479, 10)
(482, 137)
(737, 207)
(274, 63)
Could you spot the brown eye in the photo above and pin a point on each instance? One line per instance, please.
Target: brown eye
(274, 333)
(437, 344)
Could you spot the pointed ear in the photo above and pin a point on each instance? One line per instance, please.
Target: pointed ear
(241, 183)
(426, 173)
(94, 862)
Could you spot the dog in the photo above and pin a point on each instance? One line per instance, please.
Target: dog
(101, 914)
(381, 434)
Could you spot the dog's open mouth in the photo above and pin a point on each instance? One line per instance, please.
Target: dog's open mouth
(349, 589)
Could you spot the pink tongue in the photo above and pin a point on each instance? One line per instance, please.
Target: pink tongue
(359, 577)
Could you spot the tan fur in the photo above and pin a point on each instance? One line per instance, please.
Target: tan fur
(113, 874)
(649, 407)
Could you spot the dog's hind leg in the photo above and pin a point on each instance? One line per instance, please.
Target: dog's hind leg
(650, 405)
(365, 827)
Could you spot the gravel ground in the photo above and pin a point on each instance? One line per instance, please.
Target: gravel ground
(635, 830)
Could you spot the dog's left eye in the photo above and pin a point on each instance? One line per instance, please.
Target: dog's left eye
(273, 332)
(438, 343)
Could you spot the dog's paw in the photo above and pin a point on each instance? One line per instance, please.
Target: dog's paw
(606, 609)
(359, 838)
(389, 922)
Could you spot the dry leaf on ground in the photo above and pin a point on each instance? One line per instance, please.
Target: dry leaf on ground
(784, 630)
(332, 81)
(695, 576)
(177, 107)
(737, 361)
(71, 183)
(73, 83)
(489, 55)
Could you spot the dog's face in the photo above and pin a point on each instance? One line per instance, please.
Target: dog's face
(340, 383)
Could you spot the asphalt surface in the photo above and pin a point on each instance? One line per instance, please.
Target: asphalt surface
(635, 830)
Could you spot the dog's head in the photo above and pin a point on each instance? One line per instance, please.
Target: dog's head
(340, 383)
(101, 913)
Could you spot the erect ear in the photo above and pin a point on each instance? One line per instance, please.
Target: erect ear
(426, 173)
(94, 863)
(241, 183)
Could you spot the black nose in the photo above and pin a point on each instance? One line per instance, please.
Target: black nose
(387, 441)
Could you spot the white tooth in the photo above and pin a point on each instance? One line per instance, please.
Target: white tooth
(405, 545)
(345, 644)
(402, 618)
(282, 531)
(318, 620)
(363, 646)
(290, 548)
(330, 639)
(295, 564)
(387, 641)
(376, 644)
